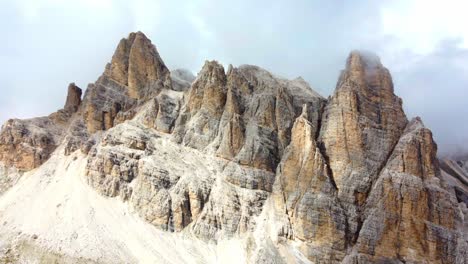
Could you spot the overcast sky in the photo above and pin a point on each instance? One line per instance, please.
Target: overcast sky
(46, 44)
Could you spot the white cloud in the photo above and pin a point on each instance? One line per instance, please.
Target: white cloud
(421, 25)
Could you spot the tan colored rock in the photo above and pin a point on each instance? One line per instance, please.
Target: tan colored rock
(362, 121)
(137, 64)
(26, 144)
(361, 124)
(309, 197)
(135, 75)
(410, 214)
(102, 103)
(232, 138)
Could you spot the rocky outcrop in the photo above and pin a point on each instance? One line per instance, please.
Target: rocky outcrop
(135, 163)
(135, 75)
(137, 65)
(361, 125)
(198, 123)
(410, 215)
(26, 144)
(305, 191)
(73, 98)
(244, 116)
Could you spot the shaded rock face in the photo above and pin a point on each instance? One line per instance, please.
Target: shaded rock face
(73, 98)
(243, 153)
(455, 172)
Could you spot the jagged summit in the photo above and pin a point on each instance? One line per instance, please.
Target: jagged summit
(238, 161)
(362, 58)
(73, 98)
(136, 63)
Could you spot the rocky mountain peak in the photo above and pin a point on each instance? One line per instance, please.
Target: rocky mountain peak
(365, 69)
(359, 60)
(136, 64)
(73, 98)
(212, 71)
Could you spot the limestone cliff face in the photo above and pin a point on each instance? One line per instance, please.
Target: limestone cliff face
(409, 214)
(135, 75)
(241, 153)
(306, 192)
(27, 144)
(137, 65)
(244, 115)
(361, 125)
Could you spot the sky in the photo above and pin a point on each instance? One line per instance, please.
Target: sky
(46, 44)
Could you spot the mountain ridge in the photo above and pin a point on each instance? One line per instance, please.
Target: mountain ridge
(240, 154)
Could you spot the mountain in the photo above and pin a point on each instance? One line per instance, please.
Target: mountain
(233, 166)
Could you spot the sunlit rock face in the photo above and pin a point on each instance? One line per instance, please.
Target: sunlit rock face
(239, 154)
(362, 123)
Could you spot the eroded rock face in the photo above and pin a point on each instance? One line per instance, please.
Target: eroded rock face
(306, 192)
(135, 163)
(135, 75)
(102, 102)
(137, 65)
(244, 116)
(73, 98)
(410, 215)
(26, 144)
(198, 123)
(243, 153)
(361, 125)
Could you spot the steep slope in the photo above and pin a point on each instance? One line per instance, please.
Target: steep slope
(160, 166)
